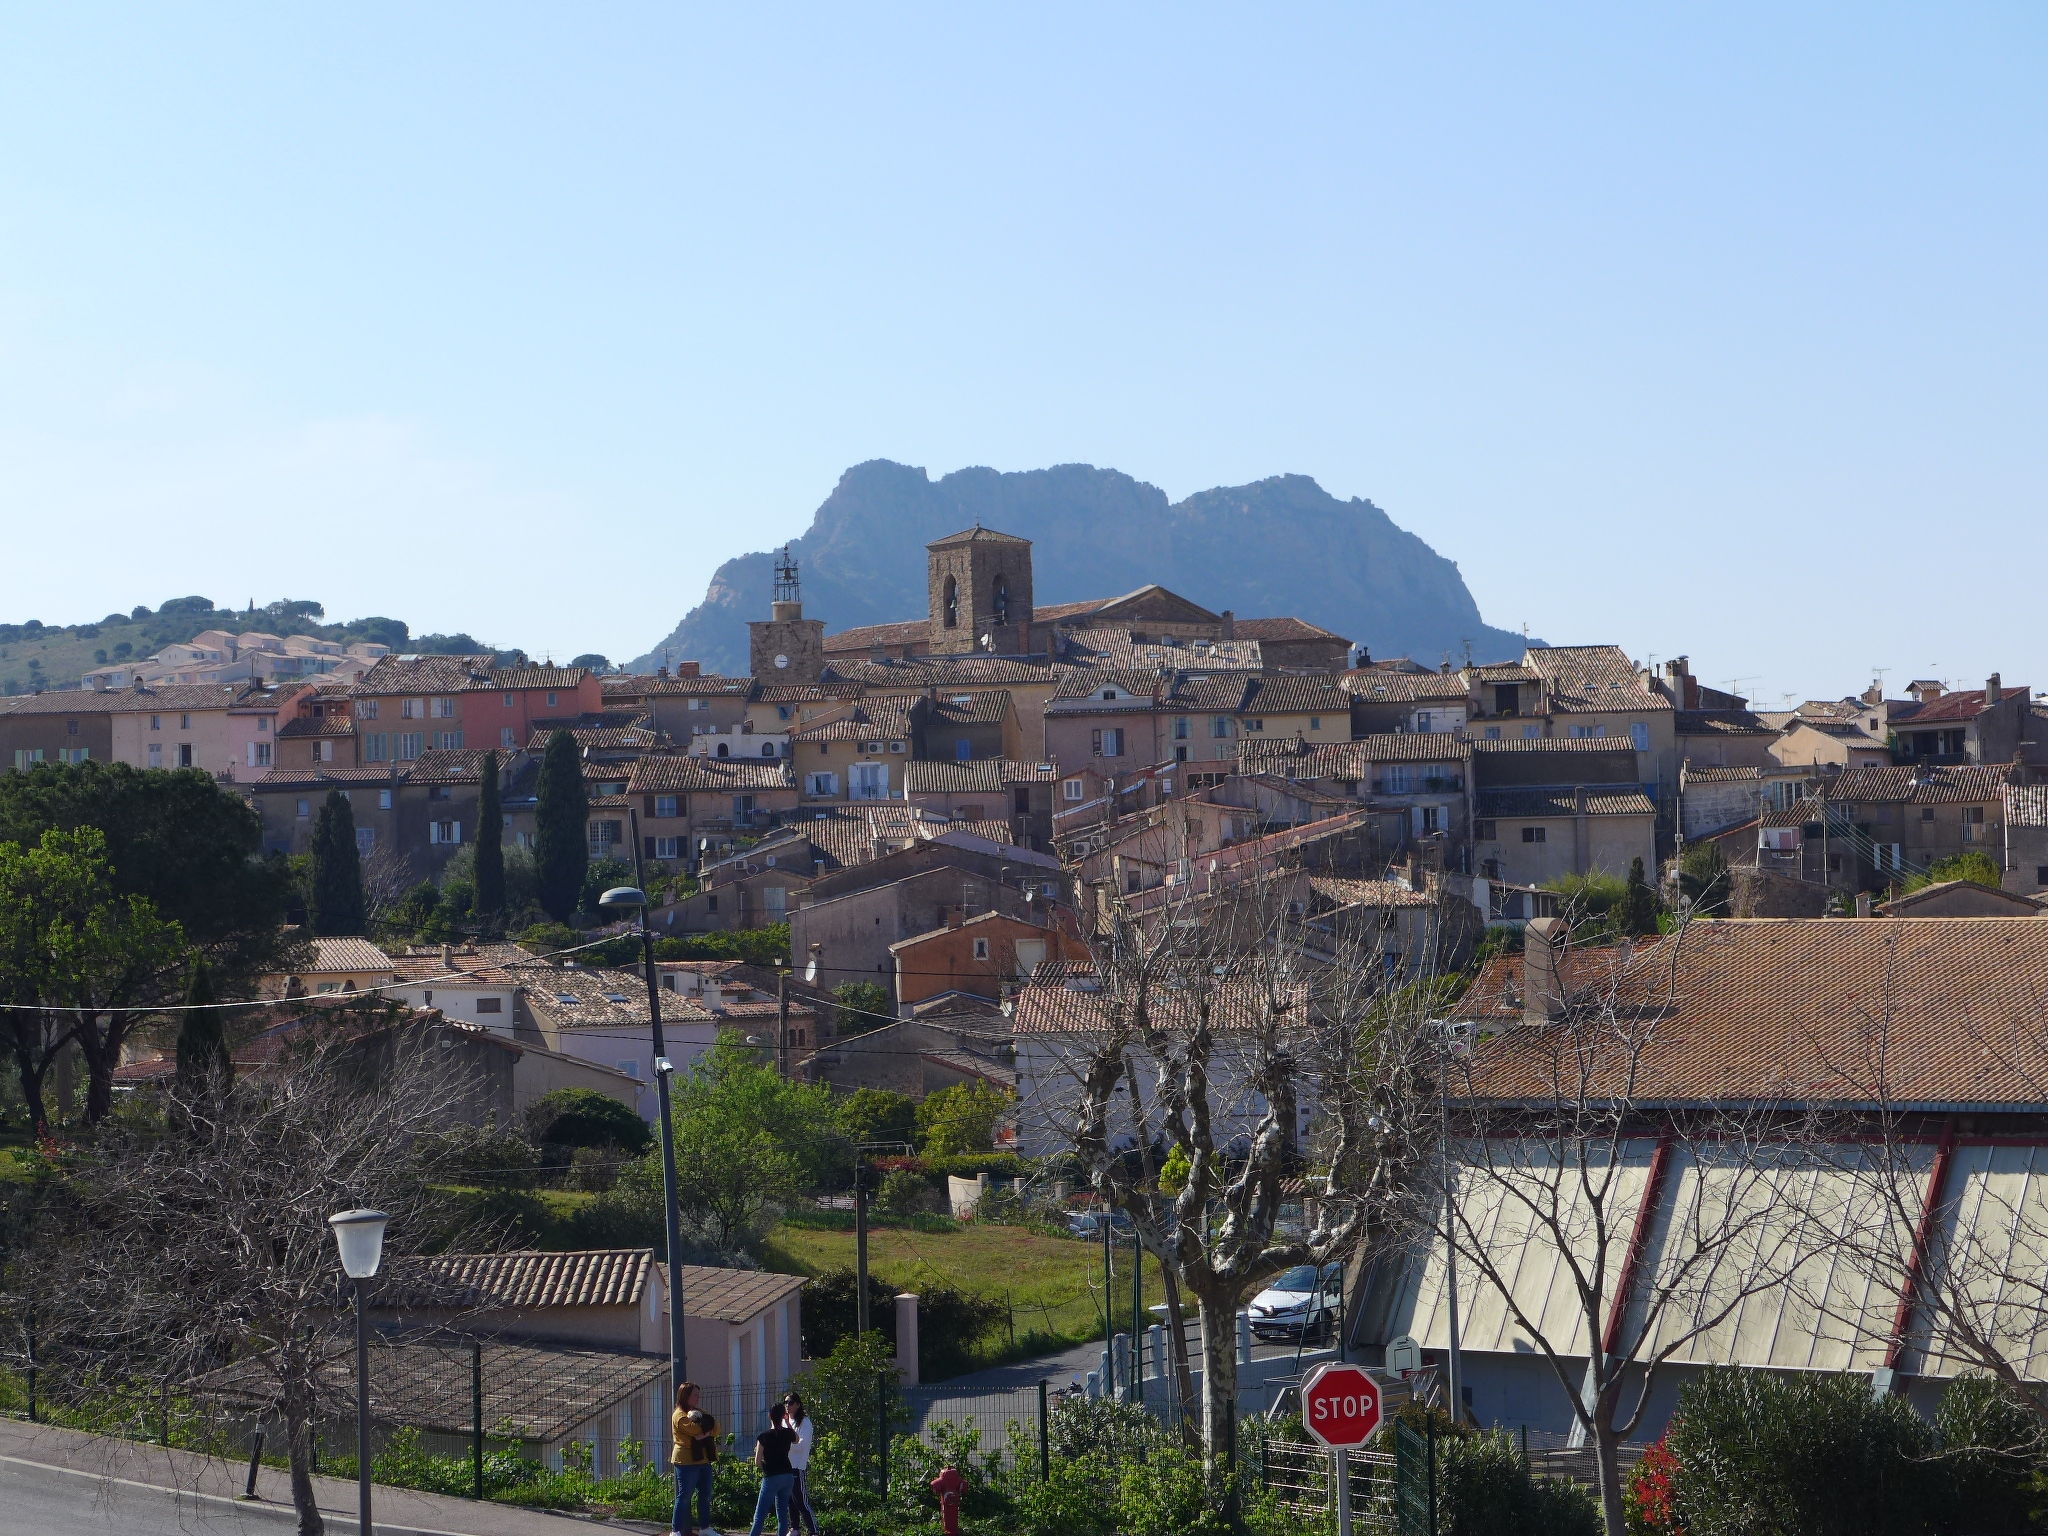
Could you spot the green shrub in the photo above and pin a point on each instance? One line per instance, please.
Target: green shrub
(1486, 1490)
(1767, 1454)
(1990, 1457)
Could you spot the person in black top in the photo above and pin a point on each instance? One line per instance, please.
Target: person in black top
(778, 1477)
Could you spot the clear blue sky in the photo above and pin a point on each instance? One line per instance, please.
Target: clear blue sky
(1716, 329)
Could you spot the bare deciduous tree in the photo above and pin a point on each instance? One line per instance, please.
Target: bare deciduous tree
(199, 1239)
(1210, 1030)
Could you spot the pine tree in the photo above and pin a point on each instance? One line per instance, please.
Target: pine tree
(561, 832)
(203, 1060)
(337, 904)
(1637, 915)
(490, 848)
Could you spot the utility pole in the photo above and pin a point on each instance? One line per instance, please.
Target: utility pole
(1137, 1316)
(862, 1322)
(782, 1019)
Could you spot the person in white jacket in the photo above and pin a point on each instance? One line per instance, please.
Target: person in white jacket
(794, 1417)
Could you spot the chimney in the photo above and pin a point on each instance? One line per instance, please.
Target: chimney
(1874, 694)
(447, 958)
(1578, 799)
(1229, 626)
(1542, 987)
(1991, 693)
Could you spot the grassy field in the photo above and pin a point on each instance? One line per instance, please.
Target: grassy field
(1052, 1285)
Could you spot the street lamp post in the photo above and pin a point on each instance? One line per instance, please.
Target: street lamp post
(627, 898)
(360, 1237)
(1454, 1364)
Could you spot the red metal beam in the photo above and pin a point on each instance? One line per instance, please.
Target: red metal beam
(1638, 1239)
(1923, 1235)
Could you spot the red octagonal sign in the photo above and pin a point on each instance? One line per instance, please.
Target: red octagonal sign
(1341, 1405)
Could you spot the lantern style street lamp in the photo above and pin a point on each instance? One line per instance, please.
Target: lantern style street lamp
(360, 1237)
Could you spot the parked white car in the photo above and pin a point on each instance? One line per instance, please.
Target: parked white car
(1302, 1303)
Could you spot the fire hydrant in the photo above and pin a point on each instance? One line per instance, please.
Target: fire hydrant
(949, 1485)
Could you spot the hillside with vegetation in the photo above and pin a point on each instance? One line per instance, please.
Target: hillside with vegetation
(35, 655)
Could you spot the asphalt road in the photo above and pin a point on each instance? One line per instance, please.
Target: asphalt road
(61, 1502)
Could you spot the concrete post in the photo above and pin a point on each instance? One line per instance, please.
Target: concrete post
(1155, 1346)
(906, 1338)
(1120, 1358)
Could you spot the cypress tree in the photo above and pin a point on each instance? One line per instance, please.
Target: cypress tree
(490, 848)
(337, 904)
(1638, 913)
(203, 1060)
(561, 831)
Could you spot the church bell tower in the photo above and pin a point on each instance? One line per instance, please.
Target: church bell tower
(786, 647)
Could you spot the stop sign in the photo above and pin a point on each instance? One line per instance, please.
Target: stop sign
(1341, 1405)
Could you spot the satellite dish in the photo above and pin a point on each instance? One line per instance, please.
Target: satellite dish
(782, 661)
(988, 642)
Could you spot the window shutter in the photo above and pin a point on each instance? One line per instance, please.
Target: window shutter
(648, 844)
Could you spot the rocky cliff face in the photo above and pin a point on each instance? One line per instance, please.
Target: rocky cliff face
(1278, 546)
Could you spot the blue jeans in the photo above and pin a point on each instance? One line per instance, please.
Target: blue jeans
(688, 1479)
(775, 1496)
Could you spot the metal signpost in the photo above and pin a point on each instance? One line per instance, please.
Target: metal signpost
(1340, 1404)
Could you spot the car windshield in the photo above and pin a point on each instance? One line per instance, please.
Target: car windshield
(1300, 1278)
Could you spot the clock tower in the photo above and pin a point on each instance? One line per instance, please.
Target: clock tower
(786, 647)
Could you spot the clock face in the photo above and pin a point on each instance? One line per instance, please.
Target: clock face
(782, 661)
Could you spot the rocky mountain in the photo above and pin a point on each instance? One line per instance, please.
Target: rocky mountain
(1277, 546)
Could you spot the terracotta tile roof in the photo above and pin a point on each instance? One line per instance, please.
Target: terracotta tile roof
(121, 701)
(531, 676)
(870, 720)
(348, 954)
(864, 637)
(1119, 647)
(1336, 891)
(1963, 705)
(1377, 687)
(316, 725)
(1229, 866)
(607, 730)
(2026, 805)
(674, 773)
(1798, 814)
(708, 685)
(1056, 1002)
(450, 765)
(990, 708)
(1962, 783)
(1296, 759)
(1904, 906)
(1716, 775)
(1211, 693)
(1081, 685)
(425, 674)
(1296, 693)
(982, 776)
(944, 671)
(1554, 744)
(1563, 800)
(1503, 672)
(601, 1277)
(1048, 613)
(1582, 679)
(804, 693)
(1720, 722)
(1769, 1009)
(1285, 628)
(976, 535)
(325, 776)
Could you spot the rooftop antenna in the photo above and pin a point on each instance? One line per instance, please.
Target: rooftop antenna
(1878, 673)
(1735, 684)
(786, 586)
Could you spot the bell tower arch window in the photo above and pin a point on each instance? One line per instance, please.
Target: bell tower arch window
(950, 611)
(1002, 600)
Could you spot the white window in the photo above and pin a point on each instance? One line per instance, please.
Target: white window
(263, 724)
(156, 754)
(444, 832)
(376, 747)
(366, 709)
(867, 781)
(366, 839)
(74, 754)
(821, 783)
(1109, 742)
(508, 737)
(410, 709)
(184, 722)
(1493, 733)
(410, 745)
(323, 751)
(259, 754)
(184, 754)
(1315, 722)
(23, 756)
(1425, 720)
(1589, 732)
(1073, 789)
(1639, 733)
(448, 741)
(706, 704)
(1219, 727)
(1531, 732)
(551, 699)
(444, 709)
(509, 701)
(981, 949)
(605, 835)
(383, 799)
(668, 805)
(668, 847)
(775, 901)
(305, 809)
(156, 722)
(1400, 779)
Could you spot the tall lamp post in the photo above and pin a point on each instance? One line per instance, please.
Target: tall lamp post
(627, 898)
(360, 1237)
